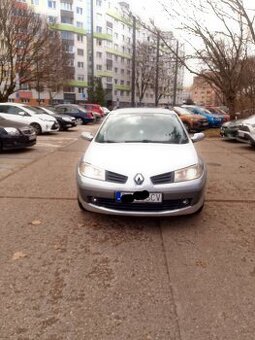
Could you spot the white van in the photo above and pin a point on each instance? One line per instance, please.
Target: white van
(22, 113)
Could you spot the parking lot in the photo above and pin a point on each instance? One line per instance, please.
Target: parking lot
(66, 274)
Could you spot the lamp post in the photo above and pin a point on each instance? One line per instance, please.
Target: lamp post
(176, 73)
(157, 71)
(133, 61)
(92, 42)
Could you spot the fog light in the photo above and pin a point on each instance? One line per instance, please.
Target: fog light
(185, 202)
(93, 199)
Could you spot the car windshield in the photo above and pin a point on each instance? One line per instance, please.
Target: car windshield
(33, 109)
(39, 110)
(142, 128)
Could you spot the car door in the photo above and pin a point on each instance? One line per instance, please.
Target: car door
(15, 114)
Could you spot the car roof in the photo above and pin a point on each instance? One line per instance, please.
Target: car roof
(143, 110)
(14, 104)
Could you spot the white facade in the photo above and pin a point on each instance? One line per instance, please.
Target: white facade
(113, 30)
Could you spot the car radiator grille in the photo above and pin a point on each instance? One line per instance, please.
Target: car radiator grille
(166, 205)
(116, 178)
(163, 178)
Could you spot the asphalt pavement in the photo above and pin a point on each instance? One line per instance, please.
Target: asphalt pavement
(66, 274)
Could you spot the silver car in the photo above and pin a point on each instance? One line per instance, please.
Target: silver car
(141, 162)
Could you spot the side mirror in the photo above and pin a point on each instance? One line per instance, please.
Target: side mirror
(21, 113)
(87, 136)
(197, 137)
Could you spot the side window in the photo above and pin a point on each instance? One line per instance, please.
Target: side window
(60, 110)
(3, 108)
(74, 110)
(13, 110)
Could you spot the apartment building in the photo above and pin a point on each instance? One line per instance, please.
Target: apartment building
(112, 51)
(203, 94)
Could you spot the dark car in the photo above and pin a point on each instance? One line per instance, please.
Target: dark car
(81, 115)
(15, 135)
(65, 122)
(229, 130)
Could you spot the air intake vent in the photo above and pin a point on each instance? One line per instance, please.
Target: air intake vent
(168, 177)
(116, 178)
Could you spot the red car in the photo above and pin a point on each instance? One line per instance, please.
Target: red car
(94, 108)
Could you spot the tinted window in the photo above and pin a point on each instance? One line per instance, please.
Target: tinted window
(4, 108)
(142, 128)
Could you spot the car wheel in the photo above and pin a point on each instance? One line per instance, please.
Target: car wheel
(37, 128)
(79, 121)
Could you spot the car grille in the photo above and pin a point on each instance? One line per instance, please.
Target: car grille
(166, 205)
(114, 177)
(167, 177)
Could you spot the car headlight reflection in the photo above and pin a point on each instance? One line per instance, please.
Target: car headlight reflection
(190, 173)
(90, 171)
(12, 131)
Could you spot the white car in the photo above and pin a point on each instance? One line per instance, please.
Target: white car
(21, 113)
(246, 132)
(142, 162)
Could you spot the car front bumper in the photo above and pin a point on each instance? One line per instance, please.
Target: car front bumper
(177, 198)
(18, 142)
(246, 136)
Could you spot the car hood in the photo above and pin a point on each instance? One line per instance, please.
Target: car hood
(147, 158)
(11, 123)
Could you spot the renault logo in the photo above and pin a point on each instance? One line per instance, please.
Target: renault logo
(139, 179)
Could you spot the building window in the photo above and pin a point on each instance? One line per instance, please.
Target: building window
(66, 6)
(52, 4)
(99, 55)
(52, 20)
(80, 89)
(79, 10)
(80, 77)
(99, 67)
(99, 29)
(99, 3)
(109, 67)
(109, 79)
(122, 71)
(80, 51)
(35, 2)
(99, 42)
(80, 64)
(116, 69)
(79, 24)
(80, 37)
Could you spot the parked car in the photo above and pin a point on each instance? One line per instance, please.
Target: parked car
(81, 115)
(15, 135)
(141, 162)
(191, 121)
(65, 122)
(246, 131)
(94, 108)
(229, 130)
(106, 110)
(218, 111)
(21, 113)
(213, 120)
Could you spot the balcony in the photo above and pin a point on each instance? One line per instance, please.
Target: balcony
(68, 28)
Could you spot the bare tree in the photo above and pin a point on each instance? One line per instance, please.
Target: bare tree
(26, 48)
(145, 67)
(219, 52)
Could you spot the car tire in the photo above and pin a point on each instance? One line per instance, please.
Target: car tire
(79, 121)
(37, 128)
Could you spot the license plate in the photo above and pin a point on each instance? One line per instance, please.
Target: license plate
(154, 197)
(32, 137)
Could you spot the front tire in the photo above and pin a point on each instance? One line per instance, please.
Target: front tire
(37, 128)
(79, 121)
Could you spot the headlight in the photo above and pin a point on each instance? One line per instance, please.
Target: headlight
(190, 173)
(12, 131)
(66, 119)
(90, 171)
